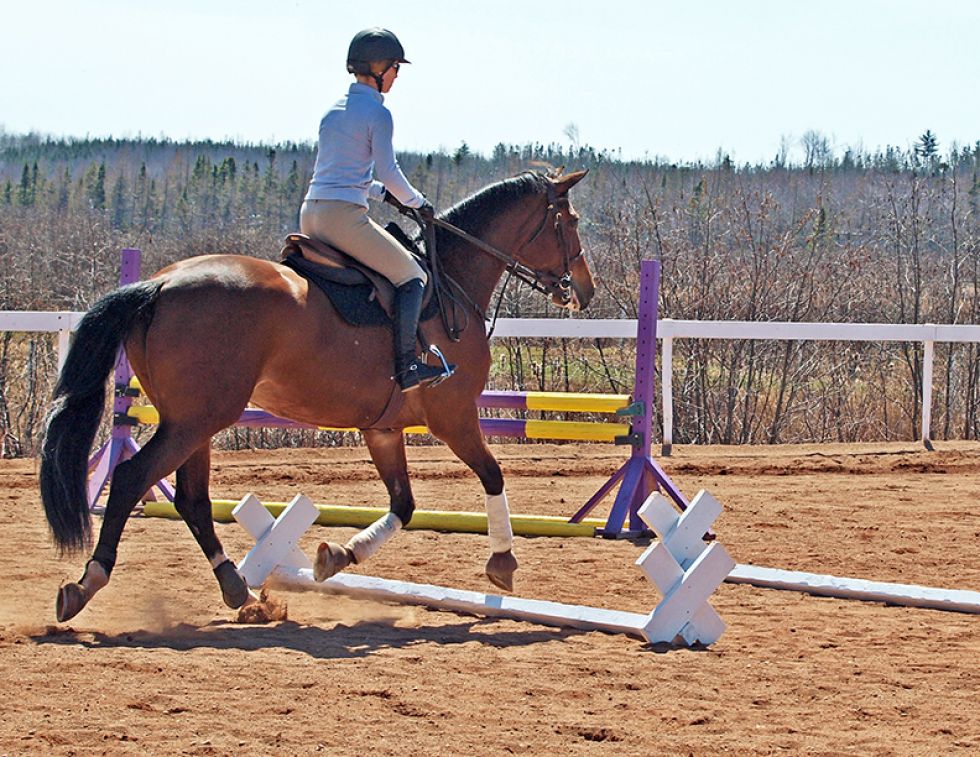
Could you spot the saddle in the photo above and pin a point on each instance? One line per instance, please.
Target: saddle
(361, 295)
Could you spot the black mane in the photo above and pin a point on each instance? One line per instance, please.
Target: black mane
(473, 213)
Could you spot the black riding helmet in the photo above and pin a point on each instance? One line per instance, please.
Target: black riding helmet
(371, 45)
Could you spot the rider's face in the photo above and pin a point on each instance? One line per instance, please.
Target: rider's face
(389, 76)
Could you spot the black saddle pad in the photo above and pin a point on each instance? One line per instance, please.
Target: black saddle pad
(351, 293)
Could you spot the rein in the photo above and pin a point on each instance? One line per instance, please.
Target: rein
(558, 287)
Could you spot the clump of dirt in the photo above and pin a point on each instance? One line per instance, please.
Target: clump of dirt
(267, 610)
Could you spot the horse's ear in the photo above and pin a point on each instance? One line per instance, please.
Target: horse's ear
(566, 182)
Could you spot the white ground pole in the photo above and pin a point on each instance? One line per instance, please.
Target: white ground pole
(682, 617)
(905, 595)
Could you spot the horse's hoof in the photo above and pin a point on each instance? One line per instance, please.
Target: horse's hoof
(234, 589)
(262, 609)
(500, 570)
(330, 559)
(71, 600)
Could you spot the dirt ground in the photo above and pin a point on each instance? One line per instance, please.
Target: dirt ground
(156, 665)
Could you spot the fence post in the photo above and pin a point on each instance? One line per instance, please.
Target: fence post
(928, 354)
(64, 343)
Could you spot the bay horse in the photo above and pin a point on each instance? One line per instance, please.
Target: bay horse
(210, 334)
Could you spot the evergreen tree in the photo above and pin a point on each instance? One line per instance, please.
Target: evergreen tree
(228, 189)
(149, 207)
(927, 147)
(120, 210)
(184, 214)
(270, 187)
(24, 190)
(202, 168)
(96, 187)
(227, 170)
(64, 191)
(140, 192)
(461, 154)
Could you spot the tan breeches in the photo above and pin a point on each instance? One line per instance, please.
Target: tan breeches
(346, 226)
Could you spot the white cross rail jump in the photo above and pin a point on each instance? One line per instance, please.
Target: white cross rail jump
(684, 569)
(680, 533)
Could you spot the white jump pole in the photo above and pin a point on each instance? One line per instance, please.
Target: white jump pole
(842, 587)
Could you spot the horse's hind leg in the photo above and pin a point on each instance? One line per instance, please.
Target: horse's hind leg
(130, 480)
(387, 448)
(193, 502)
(465, 439)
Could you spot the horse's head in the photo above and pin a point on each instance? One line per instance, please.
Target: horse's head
(554, 251)
(525, 224)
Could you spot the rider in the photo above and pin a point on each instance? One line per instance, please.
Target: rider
(355, 138)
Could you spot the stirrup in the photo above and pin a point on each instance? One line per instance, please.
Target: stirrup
(419, 373)
(447, 369)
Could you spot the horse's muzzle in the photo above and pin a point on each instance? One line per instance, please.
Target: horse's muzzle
(567, 302)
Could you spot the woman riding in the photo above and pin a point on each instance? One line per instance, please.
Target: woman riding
(355, 139)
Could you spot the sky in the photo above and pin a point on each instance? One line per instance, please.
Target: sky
(677, 80)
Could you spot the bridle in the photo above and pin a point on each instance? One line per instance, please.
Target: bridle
(556, 286)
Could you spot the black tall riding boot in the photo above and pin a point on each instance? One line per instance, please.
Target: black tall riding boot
(410, 369)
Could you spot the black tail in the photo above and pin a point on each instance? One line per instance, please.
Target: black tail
(79, 399)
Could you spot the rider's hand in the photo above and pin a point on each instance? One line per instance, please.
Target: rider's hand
(427, 212)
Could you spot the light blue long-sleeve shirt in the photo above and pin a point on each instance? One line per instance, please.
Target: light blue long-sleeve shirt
(355, 139)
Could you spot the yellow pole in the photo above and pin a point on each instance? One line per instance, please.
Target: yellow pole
(431, 520)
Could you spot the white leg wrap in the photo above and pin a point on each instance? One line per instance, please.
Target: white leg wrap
(217, 560)
(498, 523)
(369, 541)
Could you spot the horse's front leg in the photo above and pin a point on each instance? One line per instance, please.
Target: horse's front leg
(387, 448)
(465, 439)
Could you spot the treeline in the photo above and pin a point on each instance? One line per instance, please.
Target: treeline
(889, 236)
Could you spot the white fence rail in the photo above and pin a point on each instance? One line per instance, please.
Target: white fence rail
(62, 323)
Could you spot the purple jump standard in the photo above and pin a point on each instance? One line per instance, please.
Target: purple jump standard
(639, 476)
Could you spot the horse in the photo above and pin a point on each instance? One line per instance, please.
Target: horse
(210, 334)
